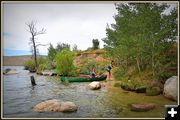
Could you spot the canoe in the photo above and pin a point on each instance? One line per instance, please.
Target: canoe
(82, 79)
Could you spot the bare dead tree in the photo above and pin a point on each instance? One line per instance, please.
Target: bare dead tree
(34, 33)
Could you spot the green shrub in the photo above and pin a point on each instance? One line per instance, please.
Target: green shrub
(101, 67)
(50, 65)
(164, 75)
(30, 65)
(127, 86)
(64, 63)
(41, 60)
(88, 64)
(132, 86)
(51, 52)
(41, 67)
(84, 70)
(119, 74)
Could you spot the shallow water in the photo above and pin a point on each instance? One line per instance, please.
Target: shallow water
(19, 97)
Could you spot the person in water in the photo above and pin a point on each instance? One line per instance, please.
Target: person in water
(109, 67)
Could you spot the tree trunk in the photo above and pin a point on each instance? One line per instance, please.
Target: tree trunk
(35, 57)
(34, 33)
(152, 61)
(138, 65)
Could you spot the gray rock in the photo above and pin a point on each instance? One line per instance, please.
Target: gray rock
(7, 70)
(159, 84)
(153, 91)
(171, 88)
(10, 72)
(55, 105)
(49, 72)
(142, 107)
(94, 85)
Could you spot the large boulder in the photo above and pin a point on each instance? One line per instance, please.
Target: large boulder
(142, 107)
(94, 85)
(10, 71)
(170, 88)
(55, 106)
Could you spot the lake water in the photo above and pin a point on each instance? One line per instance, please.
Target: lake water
(19, 97)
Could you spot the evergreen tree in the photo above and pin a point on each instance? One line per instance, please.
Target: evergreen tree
(95, 44)
(74, 47)
(61, 46)
(51, 52)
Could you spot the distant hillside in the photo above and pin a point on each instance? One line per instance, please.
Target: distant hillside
(16, 60)
(90, 54)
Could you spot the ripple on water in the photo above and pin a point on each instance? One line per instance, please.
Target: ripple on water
(19, 97)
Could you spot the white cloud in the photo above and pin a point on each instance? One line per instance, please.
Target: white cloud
(65, 23)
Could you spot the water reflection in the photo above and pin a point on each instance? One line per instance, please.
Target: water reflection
(32, 91)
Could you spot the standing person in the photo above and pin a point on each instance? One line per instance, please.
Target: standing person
(109, 69)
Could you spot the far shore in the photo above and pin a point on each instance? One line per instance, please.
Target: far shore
(16, 60)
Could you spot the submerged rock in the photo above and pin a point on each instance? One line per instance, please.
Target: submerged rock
(170, 88)
(55, 106)
(141, 107)
(94, 85)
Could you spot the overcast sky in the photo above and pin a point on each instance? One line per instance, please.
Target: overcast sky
(66, 23)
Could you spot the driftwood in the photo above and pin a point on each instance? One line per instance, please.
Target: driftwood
(33, 80)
